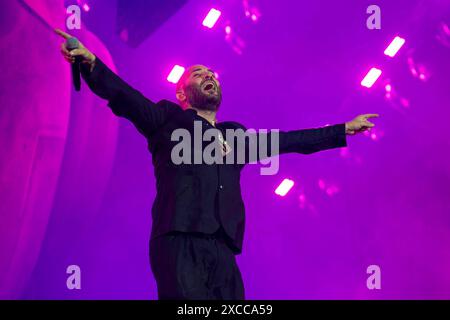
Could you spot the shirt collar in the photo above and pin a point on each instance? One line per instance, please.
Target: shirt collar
(190, 111)
(194, 113)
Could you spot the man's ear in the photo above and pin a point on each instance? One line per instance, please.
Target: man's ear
(181, 96)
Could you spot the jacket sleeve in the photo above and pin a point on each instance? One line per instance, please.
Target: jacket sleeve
(259, 145)
(125, 101)
(308, 141)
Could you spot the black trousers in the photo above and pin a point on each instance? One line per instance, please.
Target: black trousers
(195, 266)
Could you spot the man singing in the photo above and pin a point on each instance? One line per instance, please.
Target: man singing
(198, 214)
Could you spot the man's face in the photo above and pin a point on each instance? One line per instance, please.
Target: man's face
(202, 89)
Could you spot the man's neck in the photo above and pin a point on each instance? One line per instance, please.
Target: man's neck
(208, 115)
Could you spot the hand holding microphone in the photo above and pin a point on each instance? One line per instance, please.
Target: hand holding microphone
(75, 53)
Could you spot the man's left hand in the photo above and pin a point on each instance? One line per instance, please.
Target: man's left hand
(360, 124)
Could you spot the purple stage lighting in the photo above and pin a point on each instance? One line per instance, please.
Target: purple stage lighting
(211, 18)
(284, 187)
(394, 46)
(175, 74)
(371, 77)
(388, 87)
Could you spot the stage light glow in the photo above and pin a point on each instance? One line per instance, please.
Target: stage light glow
(175, 74)
(211, 18)
(388, 88)
(332, 190)
(227, 29)
(302, 198)
(418, 70)
(404, 102)
(344, 152)
(329, 188)
(443, 35)
(375, 134)
(284, 187)
(86, 7)
(321, 184)
(394, 46)
(302, 201)
(371, 77)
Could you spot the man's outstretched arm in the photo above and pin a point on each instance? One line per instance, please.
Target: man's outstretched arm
(306, 141)
(313, 140)
(123, 100)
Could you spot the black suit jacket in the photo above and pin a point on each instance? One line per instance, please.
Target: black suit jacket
(196, 197)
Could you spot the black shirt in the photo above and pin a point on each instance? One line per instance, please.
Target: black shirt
(196, 197)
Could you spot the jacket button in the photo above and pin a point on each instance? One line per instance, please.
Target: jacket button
(221, 186)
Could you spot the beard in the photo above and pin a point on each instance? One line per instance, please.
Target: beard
(202, 100)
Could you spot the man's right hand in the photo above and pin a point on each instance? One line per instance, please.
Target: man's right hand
(82, 51)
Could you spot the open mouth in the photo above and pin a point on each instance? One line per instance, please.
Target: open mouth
(209, 86)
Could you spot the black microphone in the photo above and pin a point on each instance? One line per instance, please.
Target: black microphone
(71, 44)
